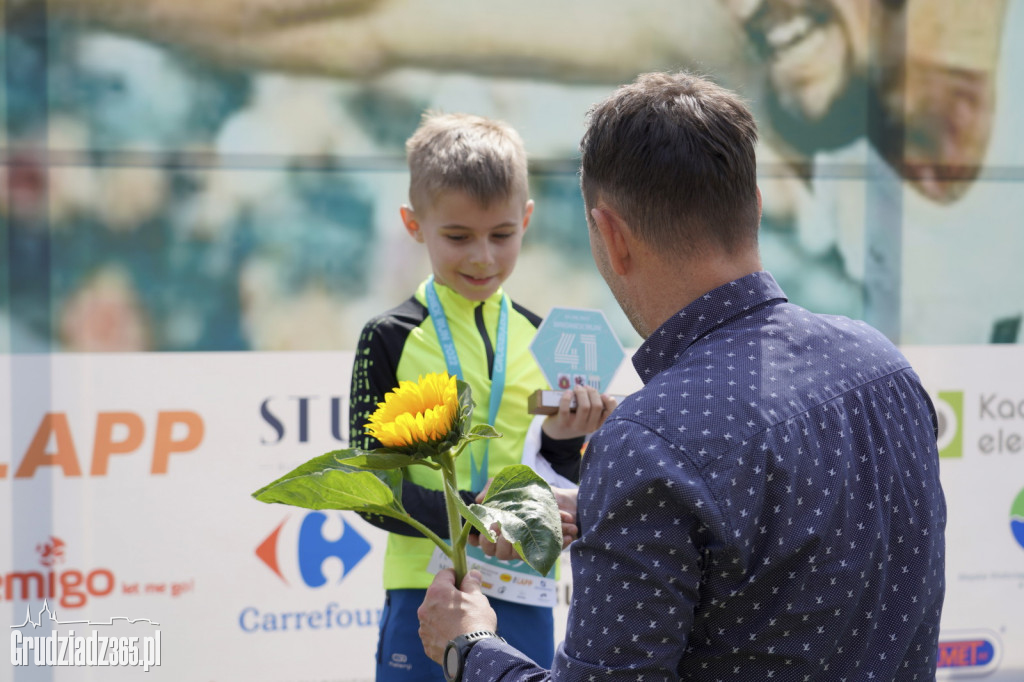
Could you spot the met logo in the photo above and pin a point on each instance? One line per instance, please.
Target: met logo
(309, 549)
(975, 653)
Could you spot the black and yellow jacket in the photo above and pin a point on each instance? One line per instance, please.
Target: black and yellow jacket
(401, 345)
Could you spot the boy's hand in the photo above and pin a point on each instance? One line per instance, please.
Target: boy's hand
(592, 408)
(503, 549)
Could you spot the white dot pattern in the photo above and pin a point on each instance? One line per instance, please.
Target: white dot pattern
(767, 507)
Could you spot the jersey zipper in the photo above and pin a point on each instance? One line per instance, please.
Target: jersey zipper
(478, 314)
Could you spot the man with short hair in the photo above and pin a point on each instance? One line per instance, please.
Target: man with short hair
(768, 506)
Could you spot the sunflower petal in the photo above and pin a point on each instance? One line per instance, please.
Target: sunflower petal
(417, 413)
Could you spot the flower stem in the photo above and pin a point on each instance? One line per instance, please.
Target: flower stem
(429, 534)
(458, 554)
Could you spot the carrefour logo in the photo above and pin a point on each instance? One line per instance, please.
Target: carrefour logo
(312, 549)
(949, 407)
(309, 553)
(1017, 519)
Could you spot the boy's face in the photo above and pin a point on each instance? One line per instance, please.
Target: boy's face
(472, 249)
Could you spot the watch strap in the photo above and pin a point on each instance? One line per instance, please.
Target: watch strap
(461, 646)
(471, 638)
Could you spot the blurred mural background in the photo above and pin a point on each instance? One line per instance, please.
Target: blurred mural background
(226, 175)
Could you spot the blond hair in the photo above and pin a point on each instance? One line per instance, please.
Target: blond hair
(482, 157)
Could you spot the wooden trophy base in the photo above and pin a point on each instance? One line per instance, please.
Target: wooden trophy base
(546, 402)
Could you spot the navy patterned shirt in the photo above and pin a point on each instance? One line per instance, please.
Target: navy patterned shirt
(767, 507)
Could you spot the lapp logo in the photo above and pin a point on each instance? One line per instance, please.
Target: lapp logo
(949, 406)
(1017, 519)
(305, 553)
(117, 433)
(968, 654)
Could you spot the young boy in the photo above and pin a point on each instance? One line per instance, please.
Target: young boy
(469, 206)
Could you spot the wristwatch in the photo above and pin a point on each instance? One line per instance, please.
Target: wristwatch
(458, 649)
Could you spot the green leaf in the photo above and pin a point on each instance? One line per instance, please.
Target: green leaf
(483, 431)
(478, 522)
(522, 504)
(382, 459)
(324, 482)
(466, 404)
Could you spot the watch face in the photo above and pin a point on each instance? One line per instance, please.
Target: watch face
(451, 662)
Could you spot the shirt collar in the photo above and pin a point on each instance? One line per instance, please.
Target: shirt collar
(707, 313)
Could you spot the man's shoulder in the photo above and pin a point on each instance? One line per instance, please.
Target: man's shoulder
(856, 340)
(761, 369)
(802, 332)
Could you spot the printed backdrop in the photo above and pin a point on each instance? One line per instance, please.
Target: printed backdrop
(128, 478)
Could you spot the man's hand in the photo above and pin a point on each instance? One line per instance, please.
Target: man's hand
(503, 549)
(447, 612)
(592, 408)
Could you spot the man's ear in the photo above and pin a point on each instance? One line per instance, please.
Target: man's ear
(615, 235)
(412, 226)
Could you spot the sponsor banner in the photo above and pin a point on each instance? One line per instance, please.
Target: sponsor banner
(127, 480)
(978, 392)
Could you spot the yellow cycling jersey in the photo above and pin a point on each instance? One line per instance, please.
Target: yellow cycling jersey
(401, 345)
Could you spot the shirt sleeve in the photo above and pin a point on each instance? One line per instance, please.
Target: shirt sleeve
(426, 506)
(374, 373)
(563, 455)
(643, 514)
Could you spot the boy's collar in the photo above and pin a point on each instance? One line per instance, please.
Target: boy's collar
(450, 297)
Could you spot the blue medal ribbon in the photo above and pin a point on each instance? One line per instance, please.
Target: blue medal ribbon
(451, 358)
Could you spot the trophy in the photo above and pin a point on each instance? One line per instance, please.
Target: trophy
(572, 347)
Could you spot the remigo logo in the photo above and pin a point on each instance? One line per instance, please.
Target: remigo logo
(70, 588)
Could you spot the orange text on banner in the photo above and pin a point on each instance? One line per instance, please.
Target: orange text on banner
(176, 432)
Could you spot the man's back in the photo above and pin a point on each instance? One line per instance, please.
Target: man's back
(767, 507)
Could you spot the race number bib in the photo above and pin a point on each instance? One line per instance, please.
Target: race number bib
(511, 581)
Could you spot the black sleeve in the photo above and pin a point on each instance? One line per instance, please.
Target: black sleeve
(425, 505)
(374, 373)
(563, 455)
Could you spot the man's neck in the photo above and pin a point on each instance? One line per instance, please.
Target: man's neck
(663, 289)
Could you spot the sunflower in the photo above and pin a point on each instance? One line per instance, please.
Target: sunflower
(415, 413)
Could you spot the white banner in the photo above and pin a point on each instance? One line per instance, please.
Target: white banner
(978, 392)
(128, 482)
